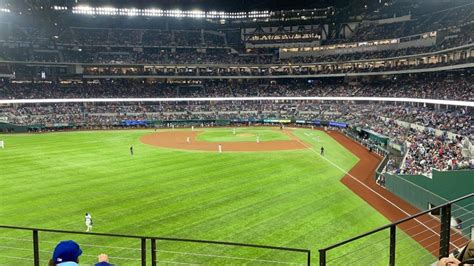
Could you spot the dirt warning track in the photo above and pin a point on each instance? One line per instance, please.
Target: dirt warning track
(425, 230)
(178, 140)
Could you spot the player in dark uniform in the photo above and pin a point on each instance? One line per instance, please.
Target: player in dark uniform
(322, 151)
(131, 150)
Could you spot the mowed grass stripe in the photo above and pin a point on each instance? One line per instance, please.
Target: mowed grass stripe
(242, 134)
(214, 200)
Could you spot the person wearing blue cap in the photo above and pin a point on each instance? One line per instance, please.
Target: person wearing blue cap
(66, 253)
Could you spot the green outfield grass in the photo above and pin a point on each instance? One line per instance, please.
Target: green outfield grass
(242, 134)
(290, 198)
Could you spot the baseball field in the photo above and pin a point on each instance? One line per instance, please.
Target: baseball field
(279, 191)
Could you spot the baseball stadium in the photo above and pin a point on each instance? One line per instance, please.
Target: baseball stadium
(205, 132)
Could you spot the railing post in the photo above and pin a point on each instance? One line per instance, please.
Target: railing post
(393, 231)
(143, 251)
(322, 257)
(36, 248)
(445, 232)
(153, 252)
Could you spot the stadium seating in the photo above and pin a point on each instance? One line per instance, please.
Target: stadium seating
(111, 48)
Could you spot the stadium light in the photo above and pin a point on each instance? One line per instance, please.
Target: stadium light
(83, 8)
(177, 13)
(153, 12)
(107, 11)
(87, 10)
(197, 13)
(59, 7)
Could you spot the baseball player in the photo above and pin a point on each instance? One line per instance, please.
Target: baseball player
(88, 221)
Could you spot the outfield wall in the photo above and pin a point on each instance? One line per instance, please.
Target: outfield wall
(421, 191)
(11, 128)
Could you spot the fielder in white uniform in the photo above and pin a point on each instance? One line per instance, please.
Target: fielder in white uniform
(220, 148)
(188, 140)
(88, 220)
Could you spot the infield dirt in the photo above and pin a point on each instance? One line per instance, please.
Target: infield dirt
(178, 140)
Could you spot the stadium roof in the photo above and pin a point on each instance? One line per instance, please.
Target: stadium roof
(230, 5)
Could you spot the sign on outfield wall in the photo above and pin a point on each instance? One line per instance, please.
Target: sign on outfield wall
(283, 121)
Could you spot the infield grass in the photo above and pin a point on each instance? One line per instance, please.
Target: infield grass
(284, 198)
(242, 134)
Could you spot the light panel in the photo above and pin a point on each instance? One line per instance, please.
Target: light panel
(111, 11)
(216, 99)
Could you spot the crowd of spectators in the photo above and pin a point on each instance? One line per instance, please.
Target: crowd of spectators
(425, 149)
(387, 119)
(457, 120)
(145, 37)
(456, 87)
(358, 113)
(419, 24)
(149, 55)
(457, 37)
(114, 45)
(269, 70)
(342, 57)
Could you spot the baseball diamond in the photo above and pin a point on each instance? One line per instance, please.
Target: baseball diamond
(170, 191)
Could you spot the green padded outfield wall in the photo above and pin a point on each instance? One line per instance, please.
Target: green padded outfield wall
(420, 190)
(11, 128)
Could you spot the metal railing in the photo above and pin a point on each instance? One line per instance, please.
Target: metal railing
(143, 243)
(381, 166)
(445, 232)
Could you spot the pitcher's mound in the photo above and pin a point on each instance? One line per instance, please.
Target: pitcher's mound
(178, 140)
